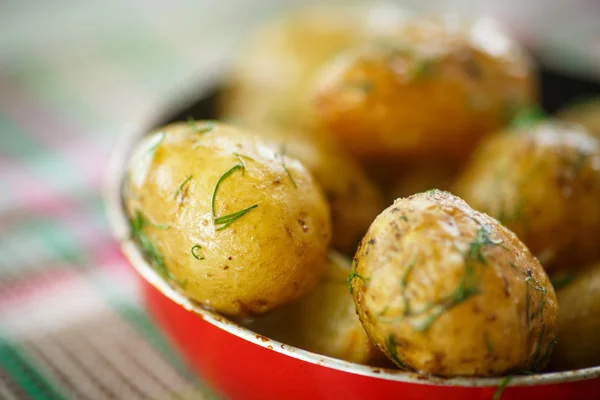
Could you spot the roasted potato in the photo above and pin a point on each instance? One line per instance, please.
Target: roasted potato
(238, 226)
(578, 343)
(434, 90)
(353, 198)
(269, 83)
(586, 113)
(543, 183)
(447, 290)
(324, 321)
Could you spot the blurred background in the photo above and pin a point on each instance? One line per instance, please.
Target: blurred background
(73, 76)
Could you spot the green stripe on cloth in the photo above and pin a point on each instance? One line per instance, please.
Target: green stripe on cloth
(23, 373)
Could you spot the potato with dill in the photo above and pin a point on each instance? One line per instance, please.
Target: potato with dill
(578, 322)
(446, 290)
(433, 90)
(585, 112)
(324, 321)
(269, 84)
(238, 226)
(543, 183)
(353, 198)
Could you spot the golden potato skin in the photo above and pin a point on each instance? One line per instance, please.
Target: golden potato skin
(434, 90)
(446, 290)
(353, 198)
(585, 113)
(271, 255)
(269, 83)
(543, 183)
(324, 321)
(578, 343)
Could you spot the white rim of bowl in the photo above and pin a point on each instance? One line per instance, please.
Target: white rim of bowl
(119, 225)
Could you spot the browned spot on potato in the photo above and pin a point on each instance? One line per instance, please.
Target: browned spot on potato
(302, 222)
(226, 267)
(229, 258)
(289, 231)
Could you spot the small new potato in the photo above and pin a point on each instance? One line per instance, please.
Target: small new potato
(324, 321)
(543, 183)
(270, 81)
(585, 113)
(238, 226)
(578, 321)
(353, 198)
(433, 90)
(447, 290)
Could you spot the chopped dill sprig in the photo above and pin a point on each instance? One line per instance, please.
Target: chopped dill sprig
(180, 188)
(469, 284)
(229, 219)
(194, 252)
(281, 156)
(530, 281)
(525, 117)
(503, 385)
(404, 218)
(390, 345)
(422, 67)
(205, 128)
(354, 274)
(158, 143)
(149, 249)
(539, 349)
(403, 282)
(226, 220)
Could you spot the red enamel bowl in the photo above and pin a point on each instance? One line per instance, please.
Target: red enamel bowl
(240, 364)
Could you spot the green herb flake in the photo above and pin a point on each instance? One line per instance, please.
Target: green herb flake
(390, 345)
(281, 156)
(422, 67)
(538, 349)
(226, 220)
(503, 385)
(161, 139)
(194, 252)
(180, 188)
(403, 283)
(354, 274)
(525, 117)
(204, 128)
(404, 218)
(149, 249)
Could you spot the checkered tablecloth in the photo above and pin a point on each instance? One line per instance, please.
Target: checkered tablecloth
(73, 74)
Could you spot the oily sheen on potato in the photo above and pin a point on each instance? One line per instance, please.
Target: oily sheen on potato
(323, 321)
(447, 290)
(240, 227)
(543, 183)
(433, 90)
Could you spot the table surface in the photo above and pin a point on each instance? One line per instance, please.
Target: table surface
(73, 75)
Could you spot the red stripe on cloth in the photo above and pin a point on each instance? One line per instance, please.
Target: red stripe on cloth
(40, 199)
